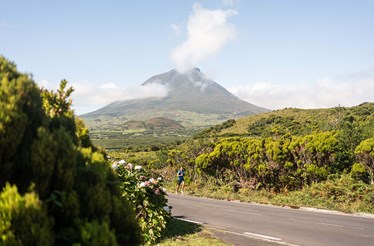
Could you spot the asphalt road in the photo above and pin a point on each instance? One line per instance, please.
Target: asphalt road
(254, 224)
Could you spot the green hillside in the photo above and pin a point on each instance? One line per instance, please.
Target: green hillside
(316, 157)
(294, 121)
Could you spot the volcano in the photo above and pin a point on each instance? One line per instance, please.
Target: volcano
(193, 100)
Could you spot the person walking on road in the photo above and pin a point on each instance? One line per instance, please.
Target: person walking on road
(180, 175)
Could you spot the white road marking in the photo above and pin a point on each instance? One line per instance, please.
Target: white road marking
(191, 221)
(255, 236)
(262, 236)
(247, 234)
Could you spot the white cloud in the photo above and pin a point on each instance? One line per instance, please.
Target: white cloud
(108, 86)
(88, 97)
(321, 94)
(207, 33)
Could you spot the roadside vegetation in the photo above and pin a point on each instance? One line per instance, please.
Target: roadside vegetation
(342, 194)
(320, 158)
(56, 187)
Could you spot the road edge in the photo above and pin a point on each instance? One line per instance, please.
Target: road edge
(307, 209)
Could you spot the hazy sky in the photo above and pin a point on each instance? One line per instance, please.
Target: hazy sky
(275, 54)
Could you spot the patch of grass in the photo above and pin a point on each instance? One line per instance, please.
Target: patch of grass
(180, 232)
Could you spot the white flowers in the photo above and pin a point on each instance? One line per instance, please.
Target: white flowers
(115, 165)
(129, 166)
(166, 208)
(153, 181)
(126, 165)
(145, 184)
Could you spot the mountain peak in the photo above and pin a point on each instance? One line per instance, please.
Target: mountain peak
(192, 83)
(195, 71)
(192, 70)
(173, 77)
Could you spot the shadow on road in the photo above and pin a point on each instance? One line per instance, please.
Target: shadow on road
(182, 228)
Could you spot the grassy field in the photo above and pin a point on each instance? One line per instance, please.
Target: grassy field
(119, 141)
(190, 120)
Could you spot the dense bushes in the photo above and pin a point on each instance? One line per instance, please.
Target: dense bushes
(286, 163)
(292, 149)
(60, 186)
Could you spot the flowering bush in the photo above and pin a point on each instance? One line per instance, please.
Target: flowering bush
(148, 199)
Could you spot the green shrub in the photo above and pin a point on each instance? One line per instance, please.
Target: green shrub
(344, 193)
(23, 219)
(97, 234)
(365, 154)
(21, 115)
(359, 173)
(44, 145)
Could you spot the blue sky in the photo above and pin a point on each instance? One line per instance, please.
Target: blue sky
(275, 54)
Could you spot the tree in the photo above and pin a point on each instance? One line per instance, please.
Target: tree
(43, 148)
(21, 115)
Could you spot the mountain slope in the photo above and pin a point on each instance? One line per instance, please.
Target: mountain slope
(193, 100)
(192, 91)
(295, 121)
